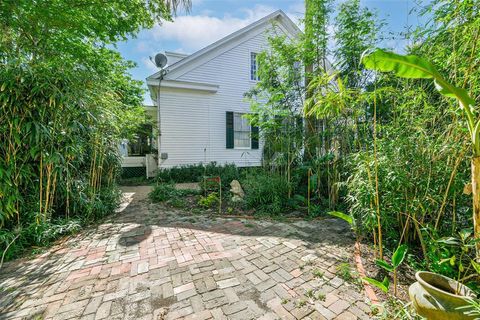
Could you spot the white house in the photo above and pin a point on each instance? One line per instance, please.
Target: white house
(200, 98)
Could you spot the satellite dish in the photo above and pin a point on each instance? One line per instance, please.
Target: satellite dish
(160, 60)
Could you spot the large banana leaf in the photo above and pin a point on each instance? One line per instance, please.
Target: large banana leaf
(404, 66)
(342, 216)
(411, 66)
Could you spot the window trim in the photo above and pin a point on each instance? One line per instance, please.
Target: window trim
(249, 131)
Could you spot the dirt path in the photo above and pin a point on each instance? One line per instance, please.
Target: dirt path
(150, 262)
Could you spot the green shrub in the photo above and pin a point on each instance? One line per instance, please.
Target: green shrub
(297, 201)
(38, 235)
(210, 185)
(196, 172)
(188, 192)
(163, 192)
(265, 192)
(177, 203)
(208, 201)
(134, 181)
(180, 174)
(166, 192)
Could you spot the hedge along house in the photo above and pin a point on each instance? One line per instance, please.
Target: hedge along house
(200, 98)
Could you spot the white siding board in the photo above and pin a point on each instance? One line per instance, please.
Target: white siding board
(191, 121)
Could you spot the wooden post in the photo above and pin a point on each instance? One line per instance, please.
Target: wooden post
(476, 201)
(204, 186)
(220, 195)
(308, 189)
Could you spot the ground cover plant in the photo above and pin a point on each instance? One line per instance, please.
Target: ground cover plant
(266, 192)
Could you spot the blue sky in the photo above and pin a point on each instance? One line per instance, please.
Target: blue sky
(210, 20)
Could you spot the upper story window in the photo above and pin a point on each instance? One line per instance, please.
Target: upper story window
(254, 67)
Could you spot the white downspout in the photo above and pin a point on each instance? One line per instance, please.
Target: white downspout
(159, 124)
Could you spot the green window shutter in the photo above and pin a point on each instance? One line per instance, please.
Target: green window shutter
(229, 126)
(254, 137)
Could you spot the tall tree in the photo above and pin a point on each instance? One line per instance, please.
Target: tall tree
(356, 29)
(315, 51)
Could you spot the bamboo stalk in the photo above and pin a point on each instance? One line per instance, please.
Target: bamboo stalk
(41, 185)
(422, 241)
(476, 201)
(47, 191)
(54, 187)
(454, 218)
(377, 196)
(450, 181)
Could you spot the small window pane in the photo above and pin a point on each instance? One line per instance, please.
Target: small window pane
(254, 67)
(241, 131)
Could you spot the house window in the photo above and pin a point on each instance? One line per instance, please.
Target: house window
(240, 134)
(254, 67)
(241, 131)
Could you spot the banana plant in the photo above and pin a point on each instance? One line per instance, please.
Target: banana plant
(384, 285)
(414, 67)
(346, 217)
(349, 219)
(343, 216)
(397, 259)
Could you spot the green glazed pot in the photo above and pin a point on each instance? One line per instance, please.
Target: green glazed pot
(436, 297)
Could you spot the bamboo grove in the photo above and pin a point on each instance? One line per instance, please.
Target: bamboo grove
(66, 99)
(390, 152)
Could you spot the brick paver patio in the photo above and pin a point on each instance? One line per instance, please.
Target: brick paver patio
(148, 262)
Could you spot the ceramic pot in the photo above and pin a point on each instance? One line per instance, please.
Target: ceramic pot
(436, 297)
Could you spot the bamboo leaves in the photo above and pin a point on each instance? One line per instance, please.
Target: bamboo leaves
(413, 67)
(66, 98)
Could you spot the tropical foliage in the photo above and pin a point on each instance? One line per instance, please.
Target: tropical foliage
(66, 98)
(389, 149)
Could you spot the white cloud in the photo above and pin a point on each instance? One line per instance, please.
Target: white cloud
(193, 32)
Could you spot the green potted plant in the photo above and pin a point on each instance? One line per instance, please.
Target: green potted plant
(437, 297)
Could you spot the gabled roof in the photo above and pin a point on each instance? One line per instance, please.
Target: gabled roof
(279, 15)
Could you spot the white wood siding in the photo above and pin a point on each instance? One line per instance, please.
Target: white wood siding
(192, 122)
